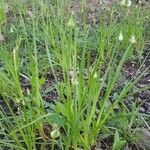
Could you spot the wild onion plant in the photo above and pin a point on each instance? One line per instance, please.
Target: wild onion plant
(43, 35)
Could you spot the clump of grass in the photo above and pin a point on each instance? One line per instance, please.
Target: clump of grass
(48, 38)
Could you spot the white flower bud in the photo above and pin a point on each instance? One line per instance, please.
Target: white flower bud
(28, 91)
(123, 2)
(120, 38)
(129, 3)
(1, 38)
(72, 12)
(132, 39)
(71, 73)
(74, 81)
(71, 23)
(11, 30)
(55, 133)
(30, 13)
(95, 75)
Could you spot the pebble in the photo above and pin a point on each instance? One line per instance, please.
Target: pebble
(148, 111)
(142, 110)
(145, 137)
(147, 104)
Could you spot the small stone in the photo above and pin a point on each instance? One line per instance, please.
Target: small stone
(145, 138)
(142, 110)
(148, 111)
(147, 104)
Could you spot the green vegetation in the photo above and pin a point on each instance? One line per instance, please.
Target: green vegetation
(85, 62)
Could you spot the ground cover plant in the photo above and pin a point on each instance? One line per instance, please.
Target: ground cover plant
(74, 75)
